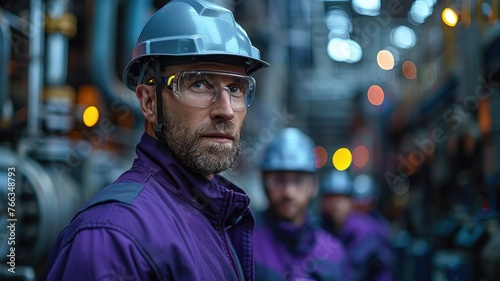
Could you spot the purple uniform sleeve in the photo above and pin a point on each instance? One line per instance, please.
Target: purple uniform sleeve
(100, 254)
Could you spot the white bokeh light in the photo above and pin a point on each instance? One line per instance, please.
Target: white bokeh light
(366, 7)
(355, 52)
(420, 10)
(403, 37)
(344, 50)
(338, 49)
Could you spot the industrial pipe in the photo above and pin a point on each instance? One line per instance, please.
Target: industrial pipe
(137, 13)
(5, 39)
(57, 96)
(103, 52)
(35, 74)
(56, 40)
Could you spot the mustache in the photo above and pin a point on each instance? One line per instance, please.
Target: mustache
(226, 127)
(286, 200)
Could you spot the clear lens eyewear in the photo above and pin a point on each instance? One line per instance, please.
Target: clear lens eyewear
(202, 88)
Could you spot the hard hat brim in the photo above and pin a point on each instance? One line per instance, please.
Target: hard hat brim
(133, 69)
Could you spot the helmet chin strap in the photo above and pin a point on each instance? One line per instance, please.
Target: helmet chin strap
(159, 104)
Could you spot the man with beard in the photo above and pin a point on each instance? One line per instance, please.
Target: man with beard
(171, 216)
(289, 244)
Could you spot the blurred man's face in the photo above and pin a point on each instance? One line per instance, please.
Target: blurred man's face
(289, 194)
(336, 207)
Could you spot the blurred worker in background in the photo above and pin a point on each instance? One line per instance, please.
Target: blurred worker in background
(171, 216)
(368, 253)
(366, 194)
(289, 243)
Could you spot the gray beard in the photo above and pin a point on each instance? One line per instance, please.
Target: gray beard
(196, 156)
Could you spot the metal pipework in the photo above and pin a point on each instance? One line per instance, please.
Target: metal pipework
(137, 13)
(47, 197)
(5, 39)
(59, 25)
(58, 98)
(59, 104)
(35, 73)
(103, 51)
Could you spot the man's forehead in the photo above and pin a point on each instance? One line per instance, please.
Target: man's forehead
(206, 66)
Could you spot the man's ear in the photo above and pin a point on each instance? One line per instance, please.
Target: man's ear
(147, 101)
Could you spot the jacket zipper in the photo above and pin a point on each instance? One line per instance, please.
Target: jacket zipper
(232, 252)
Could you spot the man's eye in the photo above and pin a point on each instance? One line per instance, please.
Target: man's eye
(235, 89)
(199, 85)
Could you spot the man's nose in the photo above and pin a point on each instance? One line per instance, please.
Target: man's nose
(222, 105)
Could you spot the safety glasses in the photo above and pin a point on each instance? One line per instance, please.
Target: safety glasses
(203, 88)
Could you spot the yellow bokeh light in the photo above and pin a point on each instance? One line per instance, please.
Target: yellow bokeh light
(450, 17)
(342, 159)
(385, 60)
(90, 116)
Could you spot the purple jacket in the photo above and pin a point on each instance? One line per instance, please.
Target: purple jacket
(307, 252)
(368, 248)
(158, 221)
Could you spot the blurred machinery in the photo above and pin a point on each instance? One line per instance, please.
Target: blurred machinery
(66, 128)
(447, 147)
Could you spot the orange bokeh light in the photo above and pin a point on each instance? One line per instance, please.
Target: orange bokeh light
(360, 156)
(375, 95)
(321, 156)
(385, 60)
(409, 70)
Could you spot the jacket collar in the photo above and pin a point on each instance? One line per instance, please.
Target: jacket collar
(299, 239)
(218, 199)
